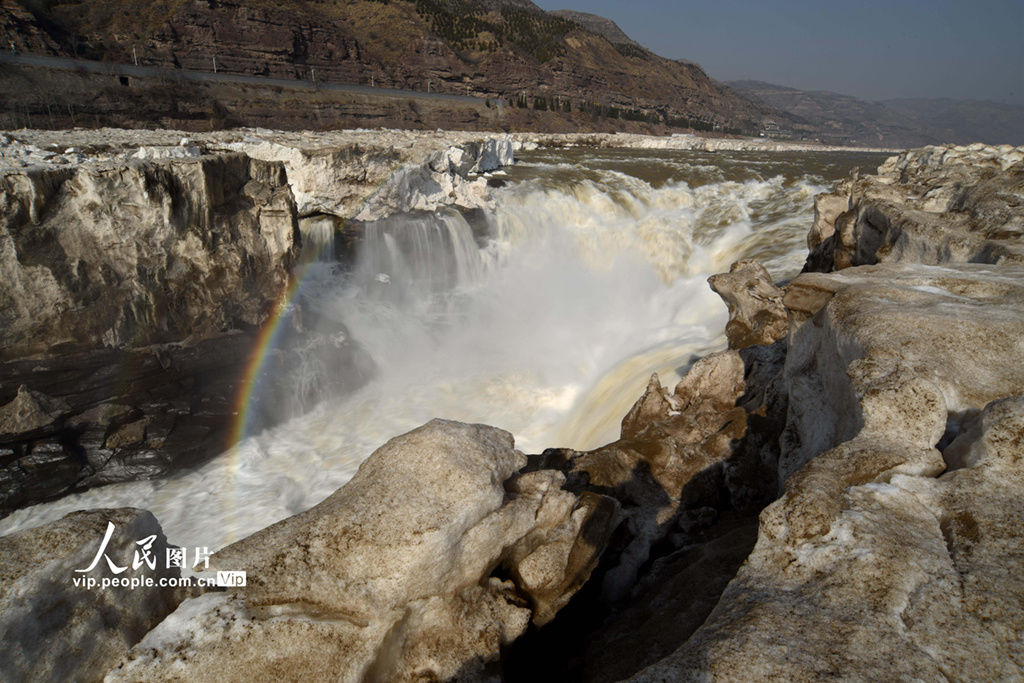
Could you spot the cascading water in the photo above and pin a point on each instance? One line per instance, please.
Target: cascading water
(414, 259)
(318, 237)
(545, 317)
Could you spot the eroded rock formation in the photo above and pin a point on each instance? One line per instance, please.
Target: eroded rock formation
(931, 205)
(871, 562)
(890, 416)
(370, 181)
(895, 548)
(756, 314)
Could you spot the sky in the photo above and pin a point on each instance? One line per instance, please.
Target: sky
(873, 49)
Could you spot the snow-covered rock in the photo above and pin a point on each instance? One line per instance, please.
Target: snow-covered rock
(57, 628)
(394, 576)
(178, 152)
(948, 204)
(871, 564)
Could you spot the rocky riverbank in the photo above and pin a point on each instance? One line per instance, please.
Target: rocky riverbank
(833, 495)
(895, 549)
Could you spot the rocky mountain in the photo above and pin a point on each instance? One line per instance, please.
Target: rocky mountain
(597, 24)
(843, 119)
(511, 51)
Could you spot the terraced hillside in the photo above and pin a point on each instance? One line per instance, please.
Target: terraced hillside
(508, 50)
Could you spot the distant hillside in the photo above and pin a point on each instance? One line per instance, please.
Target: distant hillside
(507, 49)
(963, 121)
(894, 123)
(599, 25)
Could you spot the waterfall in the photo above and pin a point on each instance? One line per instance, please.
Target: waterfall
(318, 237)
(417, 257)
(545, 318)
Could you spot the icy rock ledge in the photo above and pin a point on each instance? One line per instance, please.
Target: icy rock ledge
(943, 204)
(433, 557)
(398, 172)
(164, 253)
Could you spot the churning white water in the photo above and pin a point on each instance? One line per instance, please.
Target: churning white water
(545, 317)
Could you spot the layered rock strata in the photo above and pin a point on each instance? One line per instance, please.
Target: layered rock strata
(506, 50)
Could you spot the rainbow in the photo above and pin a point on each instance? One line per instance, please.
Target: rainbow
(243, 415)
(267, 339)
(268, 336)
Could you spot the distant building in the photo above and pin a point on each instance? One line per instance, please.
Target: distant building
(770, 129)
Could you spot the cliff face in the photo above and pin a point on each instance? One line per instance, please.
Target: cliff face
(138, 269)
(83, 247)
(494, 49)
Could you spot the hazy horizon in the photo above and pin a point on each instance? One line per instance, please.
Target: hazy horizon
(874, 50)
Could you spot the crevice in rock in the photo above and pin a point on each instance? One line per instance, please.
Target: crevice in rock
(962, 431)
(597, 640)
(605, 636)
(734, 398)
(956, 422)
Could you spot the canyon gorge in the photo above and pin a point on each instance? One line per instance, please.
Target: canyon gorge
(758, 406)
